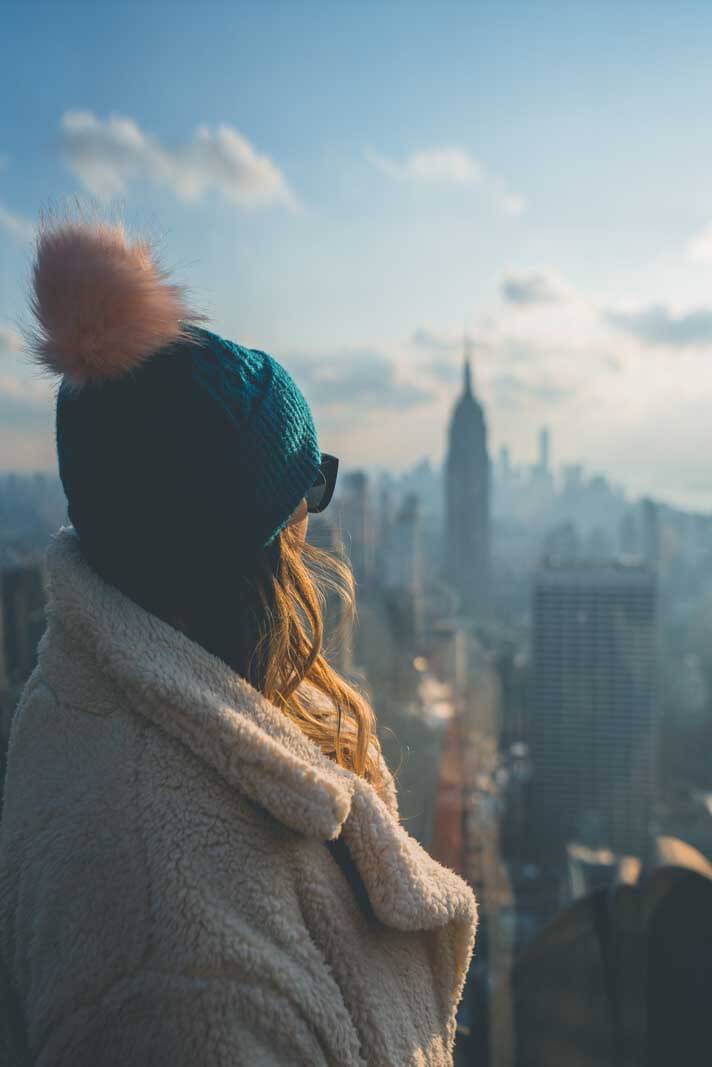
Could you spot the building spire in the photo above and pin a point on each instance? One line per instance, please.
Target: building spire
(468, 365)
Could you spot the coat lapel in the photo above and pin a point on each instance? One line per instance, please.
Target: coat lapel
(195, 697)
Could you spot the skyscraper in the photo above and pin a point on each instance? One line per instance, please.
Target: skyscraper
(467, 502)
(353, 508)
(403, 570)
(544, 450)
(593, 711)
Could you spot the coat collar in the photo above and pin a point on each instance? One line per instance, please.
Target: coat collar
(195, 697)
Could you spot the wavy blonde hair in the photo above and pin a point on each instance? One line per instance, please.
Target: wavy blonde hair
(290, 664)
(266, 622)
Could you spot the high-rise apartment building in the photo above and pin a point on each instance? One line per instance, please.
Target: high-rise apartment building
(593, 709)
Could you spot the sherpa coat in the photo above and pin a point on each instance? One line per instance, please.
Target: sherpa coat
(167, 898)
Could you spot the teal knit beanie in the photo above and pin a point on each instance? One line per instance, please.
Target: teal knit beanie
(169, 438)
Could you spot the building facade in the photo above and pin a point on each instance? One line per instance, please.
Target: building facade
(467, 503)
(355, 520)
(593, 710)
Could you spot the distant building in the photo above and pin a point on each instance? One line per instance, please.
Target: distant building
(403, 570)
(593, 711)
(338, 620)
(467, 503)
(356, 524)
(544, 450)
(651, 531)
(628, 540)
(562, 543)
(505, 464)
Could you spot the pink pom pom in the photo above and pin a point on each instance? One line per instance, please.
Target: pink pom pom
(103, 305)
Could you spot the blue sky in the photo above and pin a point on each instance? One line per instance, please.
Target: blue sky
(347, 184)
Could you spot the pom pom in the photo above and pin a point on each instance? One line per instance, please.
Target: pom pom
(102, 303)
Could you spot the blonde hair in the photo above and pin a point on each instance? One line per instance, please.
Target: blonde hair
(265, 620)
(293, 670)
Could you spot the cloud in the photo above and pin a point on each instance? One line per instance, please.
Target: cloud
(107, 155)
(18, 226)
(657, 325)
(699, 247)
(433, 342)
(10, 340)
(25, 403)
(356, 380)
(24, 400)
(447, 367)
(509, 391)
(513, 204)
(453, 166)
(528, 289)
(447, 165)
(491, 345)
(26, 424)
(26, 409)
(501, 360)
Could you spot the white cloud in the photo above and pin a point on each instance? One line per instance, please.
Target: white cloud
(26, 395)
(356, 380)
(107, 155)
(448, 165)
(513, 204)
(26, 424)
(699, 247)
(18, 226)
(452, 166)
(26, 408)
(10, 339)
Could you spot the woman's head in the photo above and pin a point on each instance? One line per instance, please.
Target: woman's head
(189, 464)
(159, 420)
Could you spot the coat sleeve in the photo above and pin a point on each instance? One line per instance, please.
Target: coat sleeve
(153, 1020)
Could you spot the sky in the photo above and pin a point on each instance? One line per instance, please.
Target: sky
(350, 186)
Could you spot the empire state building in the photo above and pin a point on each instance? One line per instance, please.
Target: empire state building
(467, 502)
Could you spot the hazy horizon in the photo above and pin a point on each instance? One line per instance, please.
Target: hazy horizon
(350, 187)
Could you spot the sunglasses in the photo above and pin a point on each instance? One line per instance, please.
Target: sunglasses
(321, 492)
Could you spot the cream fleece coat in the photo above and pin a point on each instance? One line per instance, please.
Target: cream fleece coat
(167, 898)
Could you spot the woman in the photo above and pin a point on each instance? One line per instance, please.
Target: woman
(201, 860)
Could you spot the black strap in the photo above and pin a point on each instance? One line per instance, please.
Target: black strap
(339, 850)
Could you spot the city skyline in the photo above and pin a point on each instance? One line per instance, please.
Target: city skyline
(351, 227)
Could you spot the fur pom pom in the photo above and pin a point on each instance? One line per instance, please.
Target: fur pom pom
(102, 303)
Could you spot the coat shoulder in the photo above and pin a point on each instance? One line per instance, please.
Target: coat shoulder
(136, 858)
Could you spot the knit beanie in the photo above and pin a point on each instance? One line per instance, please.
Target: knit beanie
(172, 442)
